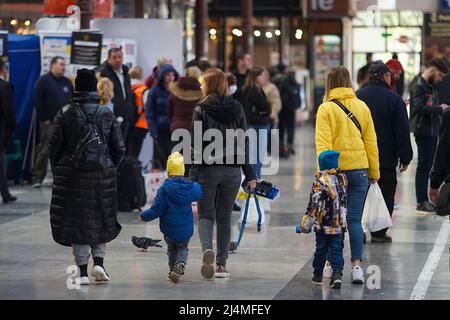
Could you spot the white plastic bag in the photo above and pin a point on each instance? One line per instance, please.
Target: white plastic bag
(375, 215)
(153, 180)
(252, 217)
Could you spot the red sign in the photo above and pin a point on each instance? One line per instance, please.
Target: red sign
(57, 7)
(103, 8)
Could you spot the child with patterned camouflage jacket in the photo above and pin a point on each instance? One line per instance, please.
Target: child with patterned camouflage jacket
(326, 216)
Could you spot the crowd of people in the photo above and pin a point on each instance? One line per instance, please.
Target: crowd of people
(364, 136)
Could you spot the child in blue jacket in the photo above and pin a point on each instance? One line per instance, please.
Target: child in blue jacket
(173, 207)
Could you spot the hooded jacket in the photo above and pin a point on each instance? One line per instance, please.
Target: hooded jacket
(425, 114)
(172, 206)
(391, 123)
(184, 96)
(220, 112)
(83, 208)
(335, 131)
(156, 107)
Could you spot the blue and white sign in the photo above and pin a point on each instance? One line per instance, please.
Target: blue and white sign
(444, 6)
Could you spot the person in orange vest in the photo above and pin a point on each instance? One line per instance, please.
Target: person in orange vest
(139, 130)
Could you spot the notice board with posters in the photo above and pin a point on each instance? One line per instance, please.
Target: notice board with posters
(436, 36)
(52, 45)
(86, 48)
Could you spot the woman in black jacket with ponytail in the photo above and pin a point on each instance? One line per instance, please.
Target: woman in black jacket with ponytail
(257, 110)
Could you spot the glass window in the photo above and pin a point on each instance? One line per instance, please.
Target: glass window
(404, 39)
(411, 18)
(389, 18)
(369, 40)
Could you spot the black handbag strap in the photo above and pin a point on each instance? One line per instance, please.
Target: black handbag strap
(349, 114)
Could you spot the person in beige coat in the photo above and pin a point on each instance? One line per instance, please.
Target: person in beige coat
(273, 97)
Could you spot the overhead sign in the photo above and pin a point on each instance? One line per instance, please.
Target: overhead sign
(328, 8)
(86, 48)
(444, 5)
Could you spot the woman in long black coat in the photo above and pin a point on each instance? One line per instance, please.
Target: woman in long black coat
(83, 212)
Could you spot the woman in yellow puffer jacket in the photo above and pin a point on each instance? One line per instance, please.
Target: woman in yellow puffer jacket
(358, 149)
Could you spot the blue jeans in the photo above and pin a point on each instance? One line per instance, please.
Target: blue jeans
(358, 184)
(329, 247)
(426, 147)
(177, 252)
(258, 152)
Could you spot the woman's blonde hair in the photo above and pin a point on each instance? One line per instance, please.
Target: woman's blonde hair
(105, 90)
(215, 82)
(338, 78)
(136, 73)
(193, 72)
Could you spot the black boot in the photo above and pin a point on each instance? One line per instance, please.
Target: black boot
(9, 198)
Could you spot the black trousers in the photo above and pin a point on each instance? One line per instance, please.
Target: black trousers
(287, 128)
(388, 186)
(135, 140)
(3, 183)
(162, 146)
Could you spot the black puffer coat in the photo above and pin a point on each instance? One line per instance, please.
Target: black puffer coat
(84, 204)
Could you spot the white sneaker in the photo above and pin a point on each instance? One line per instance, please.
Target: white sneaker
(37, 185)
(99, 274)
(357, 275)
(84, 281)
(327, 270)
(221, 272)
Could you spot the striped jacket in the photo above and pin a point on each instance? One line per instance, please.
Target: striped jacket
(327, 208)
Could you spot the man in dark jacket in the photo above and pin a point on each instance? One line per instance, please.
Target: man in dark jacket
(123, 101)
(290, 99)
(425, 120)
(7, 127)
(243, 65)
(392, 127)
(51, 92)
(83, 210)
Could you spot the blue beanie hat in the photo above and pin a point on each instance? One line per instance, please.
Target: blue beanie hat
(329, 160)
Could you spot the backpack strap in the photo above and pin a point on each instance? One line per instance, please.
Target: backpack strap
(349, 114)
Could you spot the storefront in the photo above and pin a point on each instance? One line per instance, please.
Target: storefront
(275, 26)
(384, 33)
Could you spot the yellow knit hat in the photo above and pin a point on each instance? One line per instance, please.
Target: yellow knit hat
(175, 164)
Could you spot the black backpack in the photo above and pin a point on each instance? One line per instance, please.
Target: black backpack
(91, 151)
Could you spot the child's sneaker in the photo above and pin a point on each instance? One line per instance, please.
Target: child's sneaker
(207, 269)
(327, 270)
(317, 279)
(100, 274)
(84, 281)
(221, 272)
(176, 273)
(336, 280)
(357, 275)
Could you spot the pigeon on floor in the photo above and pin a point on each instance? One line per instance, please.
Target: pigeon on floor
(144, 242)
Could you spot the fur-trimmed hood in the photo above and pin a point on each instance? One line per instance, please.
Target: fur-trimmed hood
(187, 89)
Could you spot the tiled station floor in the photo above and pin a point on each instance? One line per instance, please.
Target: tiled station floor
(273, 265)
